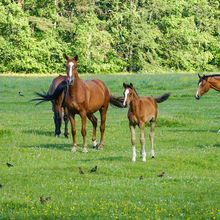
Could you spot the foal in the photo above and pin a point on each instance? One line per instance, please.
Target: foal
(141, 110)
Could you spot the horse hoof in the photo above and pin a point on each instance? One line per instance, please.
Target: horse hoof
(85, 152)
(66, 136)
(152, 157)
(73, 150)
(100, 149)
(57, 135)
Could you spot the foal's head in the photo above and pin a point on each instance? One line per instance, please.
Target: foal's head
(129, 93)
(71, 68)
(203, 86)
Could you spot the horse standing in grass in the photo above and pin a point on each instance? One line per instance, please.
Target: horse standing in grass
(58, 103)
(207, 82)
(141, 110)
(84, 98)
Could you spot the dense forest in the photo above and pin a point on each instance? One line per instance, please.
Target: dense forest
(109, 35)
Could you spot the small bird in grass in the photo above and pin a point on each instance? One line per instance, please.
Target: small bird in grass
(80, 171)
(141, 177)
(20, 94)
(42, 200)
(48, 198)
(9, 165)
(0, 185)
(93, 169)
(161, 175)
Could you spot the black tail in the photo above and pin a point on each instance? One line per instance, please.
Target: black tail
(118, 102)
(45, 97)
(163, 98)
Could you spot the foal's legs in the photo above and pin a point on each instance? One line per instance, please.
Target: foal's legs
(133, 142)
(83, 131)
(103, 112)
(152, 127)
(93, 119)
(73, 126)
(142, 140)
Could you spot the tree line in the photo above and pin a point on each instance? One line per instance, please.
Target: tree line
(109, 35)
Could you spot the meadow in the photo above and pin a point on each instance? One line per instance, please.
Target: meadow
(187, 149)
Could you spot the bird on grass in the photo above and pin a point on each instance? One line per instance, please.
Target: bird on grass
(93, 169)
(141, 177)
(48, 198)
(9, 165)
(80, 171)
(0, 185)
(20, 94)
(42, 201)
(161, 175)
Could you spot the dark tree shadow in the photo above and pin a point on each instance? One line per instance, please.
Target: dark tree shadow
(40, 132)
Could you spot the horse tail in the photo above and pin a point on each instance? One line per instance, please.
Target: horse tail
(163, 98)
(45, 97)
(118, 102)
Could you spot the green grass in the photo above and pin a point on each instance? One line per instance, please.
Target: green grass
(187, 149)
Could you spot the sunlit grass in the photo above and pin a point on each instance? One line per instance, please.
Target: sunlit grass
(186, 148)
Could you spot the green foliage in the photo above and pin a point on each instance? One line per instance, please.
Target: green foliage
(110, 36)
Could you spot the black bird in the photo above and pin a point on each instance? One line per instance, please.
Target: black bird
(9, 165)
(141, 177)
(48, 198)
(93, 169)
(20, 94)
(0, 185)
(42, 200)
(161, 175)
(80, 171)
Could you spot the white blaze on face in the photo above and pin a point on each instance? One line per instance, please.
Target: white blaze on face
(71, 69)
(126, 95)
(197, 93)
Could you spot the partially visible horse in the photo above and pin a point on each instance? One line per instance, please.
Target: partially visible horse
(141, 110)
(84, 98)
(207, 82)
(58, 103)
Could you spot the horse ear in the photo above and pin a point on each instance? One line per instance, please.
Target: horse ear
(65, 56)
(124, 85)
(199, 75)
(76, 57)
(131, 85)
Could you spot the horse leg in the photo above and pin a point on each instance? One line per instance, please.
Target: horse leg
(83, 131)
(142, 140)
(152, 127)
(66, 120)
(73, 126)
(218, 131)
(57, 120)
(102, 111)
(93, 119)
(133, 142)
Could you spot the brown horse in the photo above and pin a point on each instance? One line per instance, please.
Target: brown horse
(207, 82)
(58, 103)
(84, 98)
(141, 110)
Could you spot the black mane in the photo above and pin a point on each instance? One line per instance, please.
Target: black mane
(206, 77)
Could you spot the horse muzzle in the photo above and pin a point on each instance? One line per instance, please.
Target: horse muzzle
(70, 81)
(197, 97)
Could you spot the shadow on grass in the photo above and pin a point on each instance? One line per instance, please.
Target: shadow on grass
(40, 132)
(64, 147)
(114, 158)
(194, 130)
(204, 146)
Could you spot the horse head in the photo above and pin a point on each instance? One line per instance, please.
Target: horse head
(128, 93)
(71, 68)
(203, 86)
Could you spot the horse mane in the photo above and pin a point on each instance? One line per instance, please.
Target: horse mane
(207, 76)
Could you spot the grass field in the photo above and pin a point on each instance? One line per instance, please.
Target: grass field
(187, 149)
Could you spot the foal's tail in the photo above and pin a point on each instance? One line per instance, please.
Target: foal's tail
(118, 102)
(45, 97)
(163, 98)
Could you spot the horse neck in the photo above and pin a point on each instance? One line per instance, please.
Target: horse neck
(214, 82)
(134, 104)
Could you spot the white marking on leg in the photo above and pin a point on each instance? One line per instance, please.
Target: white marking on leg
(134, 154)
(144, 156)
(218, 131)
(94, 143)
(152, 153)
(126, 95)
